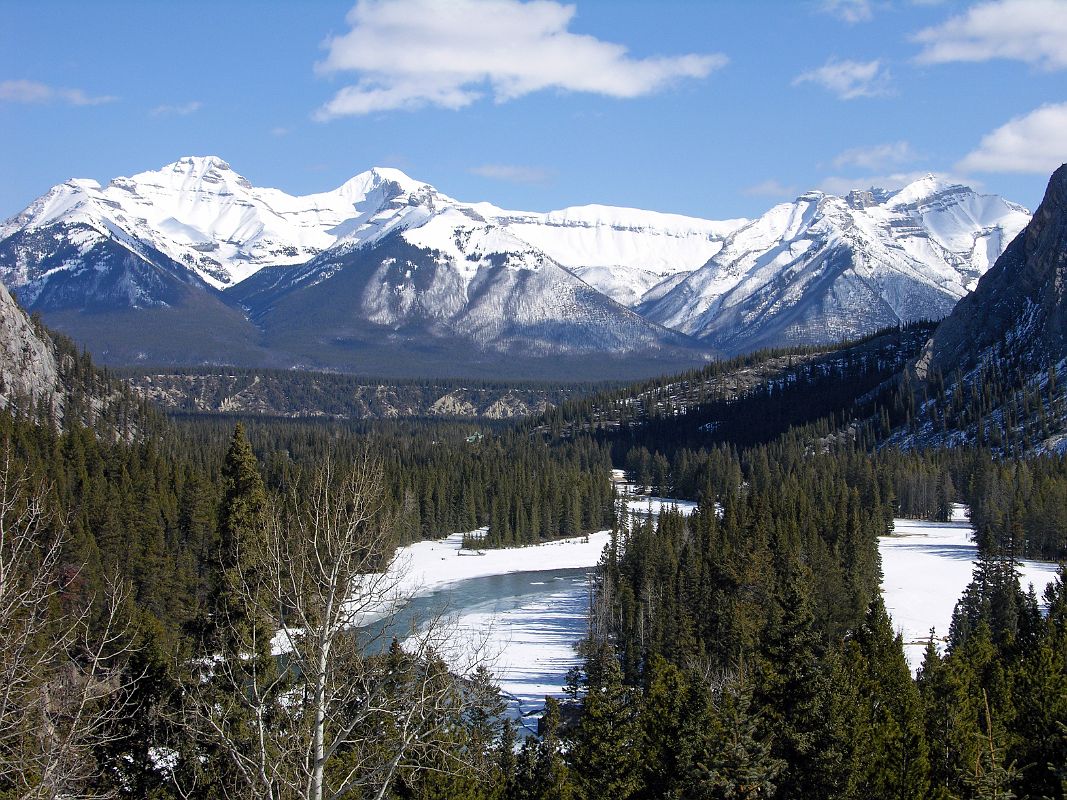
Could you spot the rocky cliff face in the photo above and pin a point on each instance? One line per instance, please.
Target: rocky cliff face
(282, 393)
(1017, 315)
(29, 373)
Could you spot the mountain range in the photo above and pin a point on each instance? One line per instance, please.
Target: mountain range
(192, 264)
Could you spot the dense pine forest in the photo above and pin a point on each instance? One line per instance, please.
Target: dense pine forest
(745, 652)
(150, 563)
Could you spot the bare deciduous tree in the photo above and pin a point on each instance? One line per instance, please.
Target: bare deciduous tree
(338, 713)
(60, 680)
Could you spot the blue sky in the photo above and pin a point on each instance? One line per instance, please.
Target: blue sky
(714, 109)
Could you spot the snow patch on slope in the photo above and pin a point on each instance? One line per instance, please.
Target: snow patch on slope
(825, 266)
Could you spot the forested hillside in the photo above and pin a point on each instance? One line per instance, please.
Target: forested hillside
(742, 652)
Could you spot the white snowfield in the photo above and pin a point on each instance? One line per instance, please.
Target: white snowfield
(432, 565)
(925, 567)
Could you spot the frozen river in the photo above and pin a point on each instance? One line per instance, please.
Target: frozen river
(525, 608)
(925, 568)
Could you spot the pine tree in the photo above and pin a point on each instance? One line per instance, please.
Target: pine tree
(241, 520)
(551, 778)
(236, 695)
(793, 685)
(742, 766)
(604, 747)
(990, 778)
(895, 762)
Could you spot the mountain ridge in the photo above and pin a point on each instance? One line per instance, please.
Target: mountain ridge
(408, 268)
(841, 266)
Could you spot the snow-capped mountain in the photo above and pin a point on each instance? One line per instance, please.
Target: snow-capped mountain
(993, 372)
(628, 254)
(200, 214)
(204, 216)
(424, 266)
(825, 268)
(388, 263)
(421, 269)
(1017, 314)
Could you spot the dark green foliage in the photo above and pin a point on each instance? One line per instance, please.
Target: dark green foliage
(742, 652)
(242, 517)
(605, 745)
(893, 760)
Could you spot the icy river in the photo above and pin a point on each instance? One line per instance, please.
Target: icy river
(925, 568)
(524, 608)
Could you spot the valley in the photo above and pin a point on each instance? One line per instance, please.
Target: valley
(677, 411)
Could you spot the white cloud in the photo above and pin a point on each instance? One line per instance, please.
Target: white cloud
(850, 11)
(512, 173)
(849, 79)
(770, 188)
(877, 157)
(179, 110)
(413, 53)
(279, 131)
(1034, 31)
(1033, 143)
(22, 91)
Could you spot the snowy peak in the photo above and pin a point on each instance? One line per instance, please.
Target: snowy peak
(380, 185)
(824, 267)
(202, 214)
(626, 253)
(210, 219)
(919, 191)
(199, 172)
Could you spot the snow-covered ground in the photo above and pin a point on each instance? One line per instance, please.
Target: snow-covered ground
(656, 505)
(528, 634)
(925, 567)
(432, 565)
(639, 503)
(530, 640)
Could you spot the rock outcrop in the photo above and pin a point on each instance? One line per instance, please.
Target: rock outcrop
(1017, 314)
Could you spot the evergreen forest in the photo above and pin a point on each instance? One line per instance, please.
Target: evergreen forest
(177, 605)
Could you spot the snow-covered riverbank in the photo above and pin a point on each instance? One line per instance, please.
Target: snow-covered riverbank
(428, 566)
(529, 641)
(925, 568)
(529, 636)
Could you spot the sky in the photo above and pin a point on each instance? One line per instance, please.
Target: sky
(711, 109)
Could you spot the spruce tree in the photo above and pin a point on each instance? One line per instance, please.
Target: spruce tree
(895, 763)
(604, 747)
(242, 516)
(742, 765)
(551, 778)
(237, 696)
